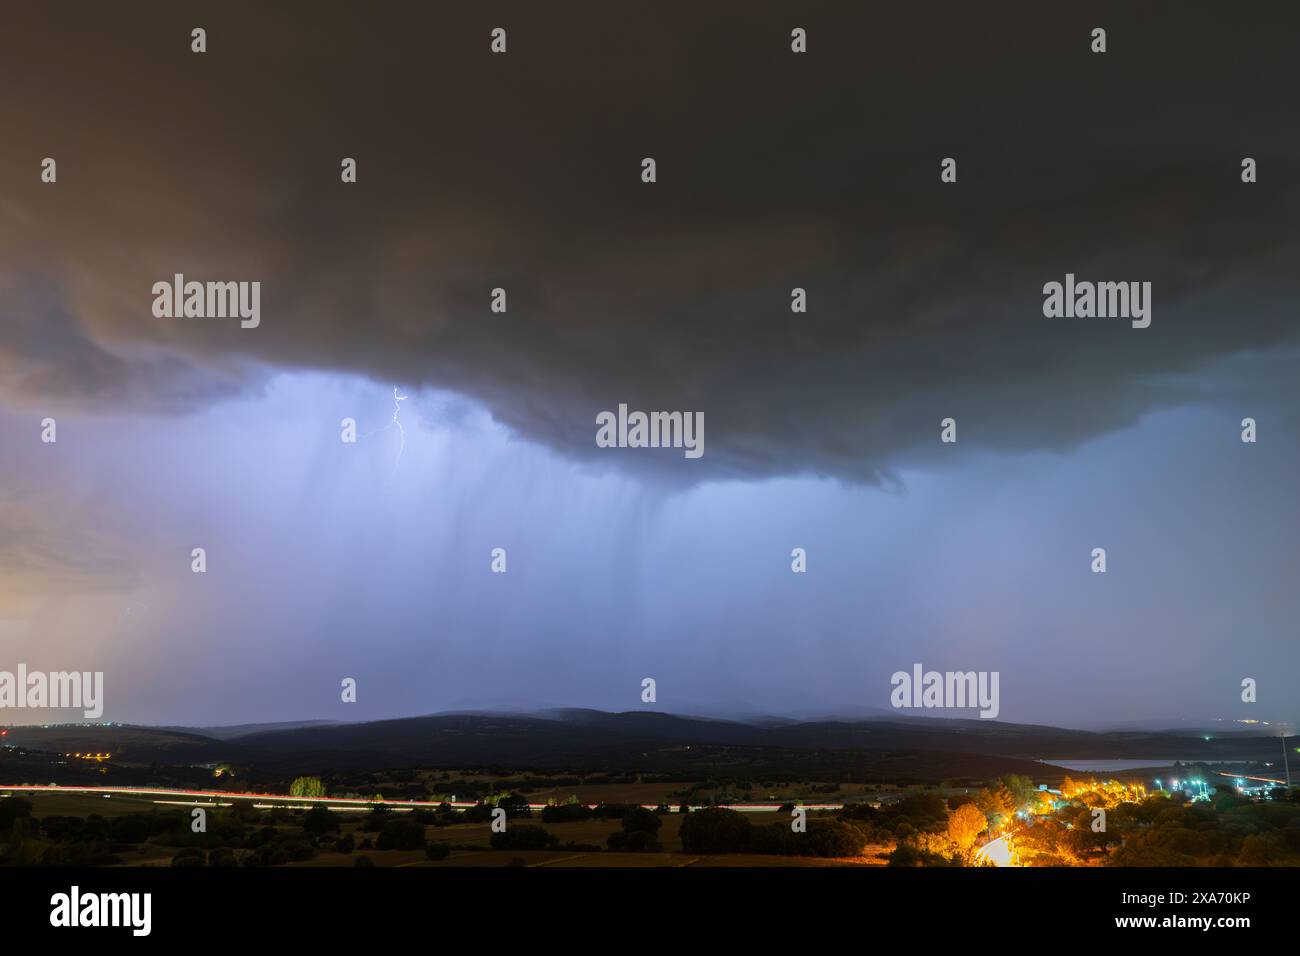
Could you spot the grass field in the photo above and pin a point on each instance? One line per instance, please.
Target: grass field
(83, 805)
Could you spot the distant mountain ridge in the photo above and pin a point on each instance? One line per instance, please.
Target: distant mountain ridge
(644, 740)
(231, 731)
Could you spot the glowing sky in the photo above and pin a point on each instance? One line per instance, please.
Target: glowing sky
(328, 560)
(325, 563)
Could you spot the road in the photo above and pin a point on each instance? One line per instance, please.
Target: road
(201, 797)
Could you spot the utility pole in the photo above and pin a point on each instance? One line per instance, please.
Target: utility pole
(1286, 763)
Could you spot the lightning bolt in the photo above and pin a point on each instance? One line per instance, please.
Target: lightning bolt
(396, 421)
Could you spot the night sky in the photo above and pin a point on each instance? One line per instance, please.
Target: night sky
(775, 170)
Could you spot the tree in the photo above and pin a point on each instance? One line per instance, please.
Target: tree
(965, 824)
(831, 838)
(634, 841)
(996, 803)
(515, 805)
(906, 854)
(376, 818)
(307, 787)
(565, 813)
(320, 820)
(403, 833)
(716, 830)
(641, 819)
(1022, 790)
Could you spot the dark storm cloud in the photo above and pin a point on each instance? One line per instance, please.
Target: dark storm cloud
(50, 356)
(775, 171)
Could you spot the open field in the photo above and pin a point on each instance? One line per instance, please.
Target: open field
(920, 825)
(581, 842)
(83, 805)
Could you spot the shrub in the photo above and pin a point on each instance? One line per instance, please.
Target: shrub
(641, 819)
(132, 828)
(831, 838)
(84, 854)
(515, 805)
(375, 820)
(634, 841)
(320, 820)
(524, 836)
(11, 809)
(565, 813)
(403, 834)
(191, 856)
(222, 857)
(905, 854)
(299, 850)
(716, 830)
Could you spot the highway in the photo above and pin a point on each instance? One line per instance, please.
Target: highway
(211, 797)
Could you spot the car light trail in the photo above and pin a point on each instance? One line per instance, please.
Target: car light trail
(341, 803)
(1242, 776)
